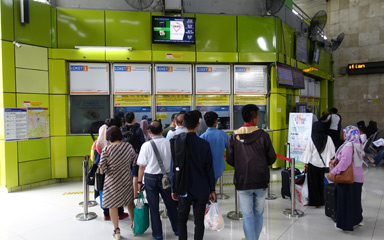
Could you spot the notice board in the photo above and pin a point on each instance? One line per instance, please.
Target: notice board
(213, 79)
(173, 78)
(132, 78)
(250, 79)
(89, 78)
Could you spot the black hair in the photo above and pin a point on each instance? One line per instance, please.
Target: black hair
(249, 112)
(155, 127)
(129, 117)
(333, 110)
(110, 122)
(114, 134)
(174, 116)
(210, 118)
(182, 112)
(179, 118)
(191, 119)
(198, 113)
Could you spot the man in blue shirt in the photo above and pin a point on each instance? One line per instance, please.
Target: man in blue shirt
(218, 141)
(192, 176)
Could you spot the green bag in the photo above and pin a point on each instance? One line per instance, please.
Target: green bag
(141, 215)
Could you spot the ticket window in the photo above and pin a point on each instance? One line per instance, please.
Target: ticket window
(168, 104)
(119, 114)
(222, 111)
(164, 113)
(238, 118)
(138, 104)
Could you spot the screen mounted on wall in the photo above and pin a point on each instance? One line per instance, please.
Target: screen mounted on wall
(298, 78)
(284, 75)
(173, 30)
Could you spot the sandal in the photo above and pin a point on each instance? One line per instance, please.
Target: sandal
(116, 233)
(371, 159)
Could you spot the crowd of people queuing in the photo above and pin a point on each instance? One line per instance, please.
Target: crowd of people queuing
(190, 151)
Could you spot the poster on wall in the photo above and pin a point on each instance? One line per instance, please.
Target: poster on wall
(89, 78)
(139, 104)
(250, 79)
(15, 124)
(166, 105)
(213, 79)
(215, 103)
(38, 123)
(304, 92)
(311, 87)
(132, 78)
(173, 78)
(299, 133)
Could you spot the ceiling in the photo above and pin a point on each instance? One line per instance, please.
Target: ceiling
(311, 7)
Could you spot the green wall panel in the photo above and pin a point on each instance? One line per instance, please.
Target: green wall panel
(53, 27)
(161, 56)
(22, 97)
(75, 166)
(6, 20)
(59, 163)
(58, 83)
(8, 164)
(216, 33)
(77, 55)
(257, 57)
(217, 57)
(285, 41)
(7, 67)
(31, 81)
(31, 57)
(256, 34)
(128, 56)
(131, 29)
(38, 30)
(58, 119)
(34, 149)
(80, 27)
(34, 171)
(79, 145)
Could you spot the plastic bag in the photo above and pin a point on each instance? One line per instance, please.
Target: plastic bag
(213, 219)
(301, 192)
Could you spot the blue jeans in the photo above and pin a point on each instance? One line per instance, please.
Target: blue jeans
(153, 188)
(252, 208)
(379, 157)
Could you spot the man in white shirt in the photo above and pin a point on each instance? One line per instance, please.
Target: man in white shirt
(335, 127)
(180, 128)
(152, 172)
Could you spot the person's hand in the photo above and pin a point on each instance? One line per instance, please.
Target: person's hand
(140, 185)
(175, 197)
(212, 197)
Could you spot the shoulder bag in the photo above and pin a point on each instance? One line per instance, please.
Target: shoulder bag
(345, 177)
(166, 183)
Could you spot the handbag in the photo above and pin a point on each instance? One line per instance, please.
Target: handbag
(345, 177)
(165, 182)
(99, 179)
(141, 213)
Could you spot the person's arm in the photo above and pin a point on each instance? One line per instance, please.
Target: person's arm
(271, 155)
(230, 154)
(327, 119)
(140, 176)
(307, 154)
(211, 174)
(345, 159)
(172, 173)
(103, 164)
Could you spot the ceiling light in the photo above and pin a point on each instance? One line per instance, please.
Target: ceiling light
(104, 48)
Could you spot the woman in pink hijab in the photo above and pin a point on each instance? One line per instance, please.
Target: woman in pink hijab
(144, 128)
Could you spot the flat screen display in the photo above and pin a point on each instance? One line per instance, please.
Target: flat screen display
(173, 30)
(298, 78)
(316, 55)
(301, 47)
(284, 75)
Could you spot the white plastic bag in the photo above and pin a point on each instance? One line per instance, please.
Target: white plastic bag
(301, 191)
(213, 219)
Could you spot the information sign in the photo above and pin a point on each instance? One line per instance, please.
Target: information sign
(250, 79)
(299, 133)
(213, 79)
(173, 78)
(15, 124)
(89, 78)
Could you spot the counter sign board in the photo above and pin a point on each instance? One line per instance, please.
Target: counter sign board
(173, 78)
(250, 79)
(213, 79)
(89, 78)
(132, 78)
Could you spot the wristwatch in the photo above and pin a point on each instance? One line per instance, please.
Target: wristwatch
(139, 182)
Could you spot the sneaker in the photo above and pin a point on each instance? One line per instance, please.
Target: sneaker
(107, 218)
(122, 216)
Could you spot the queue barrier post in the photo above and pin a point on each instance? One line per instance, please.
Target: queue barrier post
(85, 216)
(91, 203)
(236, 215)
(270, 196)
(293, 212)
(222, 195)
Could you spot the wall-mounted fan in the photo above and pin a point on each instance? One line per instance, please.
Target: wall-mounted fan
(317, 25)
(335, 42)
(273, 6)
(139, 4)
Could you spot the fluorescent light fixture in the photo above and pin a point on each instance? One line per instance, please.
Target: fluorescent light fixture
(104, 48)
(295, 12)
(43, 1)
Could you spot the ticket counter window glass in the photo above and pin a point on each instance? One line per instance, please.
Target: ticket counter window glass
(86, 110)
(164, 113)
(238, 118)
(168, 104)
(140, 112)
(223, 112)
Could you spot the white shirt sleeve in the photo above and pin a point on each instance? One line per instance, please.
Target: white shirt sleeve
(142, 160)
(307, 154)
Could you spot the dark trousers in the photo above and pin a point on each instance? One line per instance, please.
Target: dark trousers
(153, 188)
(120, 211)
(315, 185)
(198, 212)
(349, 212)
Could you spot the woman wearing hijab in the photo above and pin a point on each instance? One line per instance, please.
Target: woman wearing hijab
(144, 128)
(318, 152)
(349, 210)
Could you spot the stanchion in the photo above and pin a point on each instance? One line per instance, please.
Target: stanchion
(293, 212)
(222, 195)
(91, 203)
(85, 216)
(236, 215)
(270, 196)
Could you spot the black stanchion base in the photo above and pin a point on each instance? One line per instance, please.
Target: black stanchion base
(271, 197)
(235, 215)
(90, 204)
(295, 213)
(222, 196)
(86, 217)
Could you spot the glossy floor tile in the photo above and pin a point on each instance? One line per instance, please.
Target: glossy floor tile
(49, 213)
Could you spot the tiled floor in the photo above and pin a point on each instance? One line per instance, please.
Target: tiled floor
(46, 213)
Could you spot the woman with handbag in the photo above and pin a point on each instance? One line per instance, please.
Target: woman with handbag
(116, 161)
(349, 210)
(318, 152)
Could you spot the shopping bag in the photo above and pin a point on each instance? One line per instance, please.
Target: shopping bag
(301, 192)
(213, 219)
(141, 214)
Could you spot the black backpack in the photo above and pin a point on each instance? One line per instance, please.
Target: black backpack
(130, 135)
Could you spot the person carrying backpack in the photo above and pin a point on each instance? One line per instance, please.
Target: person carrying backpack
(133, 134)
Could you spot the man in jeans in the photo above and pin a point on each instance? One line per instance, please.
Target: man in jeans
(150, 168)
(192, 175)
(251, 153)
